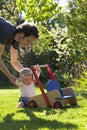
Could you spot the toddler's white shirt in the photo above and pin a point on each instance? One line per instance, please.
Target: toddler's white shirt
(26, 91)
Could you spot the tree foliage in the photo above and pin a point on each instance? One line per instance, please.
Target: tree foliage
(63, 34)
(76, 21)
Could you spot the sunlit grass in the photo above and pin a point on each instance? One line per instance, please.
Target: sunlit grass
(69, 118)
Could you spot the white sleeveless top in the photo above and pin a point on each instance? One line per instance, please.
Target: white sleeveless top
(26, 91)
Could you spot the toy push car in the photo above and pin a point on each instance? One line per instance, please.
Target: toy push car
(55, 96)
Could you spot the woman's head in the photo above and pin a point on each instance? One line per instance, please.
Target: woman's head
(26, 34)
(28, 30)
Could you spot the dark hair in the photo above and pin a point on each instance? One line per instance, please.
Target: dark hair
(28, 29)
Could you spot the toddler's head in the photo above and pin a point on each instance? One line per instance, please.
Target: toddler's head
(26, 76)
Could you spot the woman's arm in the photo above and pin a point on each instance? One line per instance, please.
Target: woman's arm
(14, 59)
(3, 67)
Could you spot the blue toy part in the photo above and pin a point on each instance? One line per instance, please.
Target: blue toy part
(53, 85)
(67, 97)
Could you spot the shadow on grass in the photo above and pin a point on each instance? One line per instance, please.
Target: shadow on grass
(35, 122)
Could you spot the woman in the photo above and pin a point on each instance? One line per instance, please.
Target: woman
(10, 35)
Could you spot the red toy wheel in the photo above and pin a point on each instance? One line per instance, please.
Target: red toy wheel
(32, 104)
(57, 104)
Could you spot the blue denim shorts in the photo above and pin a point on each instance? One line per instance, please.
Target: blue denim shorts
(25, 100)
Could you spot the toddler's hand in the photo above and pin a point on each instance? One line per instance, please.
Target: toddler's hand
(38, 69)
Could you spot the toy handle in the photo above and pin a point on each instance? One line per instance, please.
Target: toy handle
(40, 66)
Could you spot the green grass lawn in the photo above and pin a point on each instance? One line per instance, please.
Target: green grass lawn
(69, 118)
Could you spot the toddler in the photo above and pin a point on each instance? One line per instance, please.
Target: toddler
(26, 83)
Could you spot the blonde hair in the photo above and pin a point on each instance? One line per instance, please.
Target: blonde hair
(25, 71)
